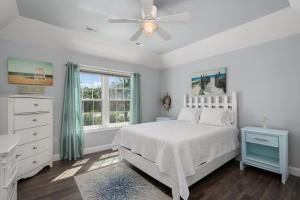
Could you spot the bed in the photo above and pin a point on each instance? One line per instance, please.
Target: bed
(179, 153)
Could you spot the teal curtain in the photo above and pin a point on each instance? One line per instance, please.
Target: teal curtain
(135, 110)
(72, 126)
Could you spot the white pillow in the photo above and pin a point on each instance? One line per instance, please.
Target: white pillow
(216, 116)
(189, 114)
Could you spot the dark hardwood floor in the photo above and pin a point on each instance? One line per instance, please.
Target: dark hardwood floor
(228, 182)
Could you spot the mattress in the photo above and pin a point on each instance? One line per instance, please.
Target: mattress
(178, 147)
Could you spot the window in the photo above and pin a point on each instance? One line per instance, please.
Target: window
(119, 99)
(105, 100)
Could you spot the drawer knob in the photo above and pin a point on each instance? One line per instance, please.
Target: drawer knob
(34, 162)
(34, 148)
(35, 134)
(36, 104)
(260, 139)
(18, 155)
(34, 120)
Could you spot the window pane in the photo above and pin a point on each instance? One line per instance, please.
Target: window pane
(90, 85)
(88, 119)
(126, 94)
(113, 82)
(112, 105)
(120, 93)
(120, 82)
(127, 105)
(120, 117)
(98, 118)
(127, 83)
(88, 106)
(112, 93)
(112, 117)
(86, 85)
(97, 92)
(97, 106)
(87, 91)
(120, 105)
(127, 116)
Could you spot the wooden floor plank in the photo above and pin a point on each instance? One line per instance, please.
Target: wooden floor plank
(226, 183)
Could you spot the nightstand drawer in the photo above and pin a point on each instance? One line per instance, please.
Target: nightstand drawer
(268, 140)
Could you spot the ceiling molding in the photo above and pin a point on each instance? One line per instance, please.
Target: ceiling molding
(8, 12)
(274, 26)
(295, 4)
(39, 33)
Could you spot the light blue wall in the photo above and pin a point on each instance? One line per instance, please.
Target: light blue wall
(266, 78)
(150, 83)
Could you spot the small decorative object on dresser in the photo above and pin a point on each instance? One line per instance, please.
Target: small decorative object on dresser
(165, 118)
(9, 167)
(266, 149)
(29, 117)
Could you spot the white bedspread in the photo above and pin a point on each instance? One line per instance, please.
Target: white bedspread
(178, 147)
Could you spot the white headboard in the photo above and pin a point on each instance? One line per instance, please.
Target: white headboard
(213, 101)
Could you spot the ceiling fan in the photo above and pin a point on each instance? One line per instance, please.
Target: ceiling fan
(149, 21)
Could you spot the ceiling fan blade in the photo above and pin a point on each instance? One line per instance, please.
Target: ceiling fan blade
(164, 34)
(179, 17)
(147, 6)
(124, 20)
(136, 35)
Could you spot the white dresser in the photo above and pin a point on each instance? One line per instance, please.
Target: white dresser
(9, 166)
(31, 118)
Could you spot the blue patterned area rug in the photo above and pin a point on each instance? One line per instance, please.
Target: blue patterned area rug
(117, 182)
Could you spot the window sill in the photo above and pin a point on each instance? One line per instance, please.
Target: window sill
(103, 129)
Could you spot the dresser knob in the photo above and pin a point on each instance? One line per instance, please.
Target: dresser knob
(18, 155)
(35, 134)
(34, 148)
(34, 120)
(36, 104)
(34, 162)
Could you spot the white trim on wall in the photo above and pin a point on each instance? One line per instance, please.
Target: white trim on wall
(274, 26)
(295, 171)
(88, 150)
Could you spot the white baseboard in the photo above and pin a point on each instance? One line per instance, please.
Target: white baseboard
(88, 150)
(96, 149)
(295, 171)
(56, 157)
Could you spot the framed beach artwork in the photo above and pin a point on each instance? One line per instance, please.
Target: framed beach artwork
(209, 82)
(29, 72)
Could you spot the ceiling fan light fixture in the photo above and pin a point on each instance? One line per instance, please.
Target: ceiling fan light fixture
(149, 27)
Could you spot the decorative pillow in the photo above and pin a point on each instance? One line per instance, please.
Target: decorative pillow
(189, 114)
(216, 116)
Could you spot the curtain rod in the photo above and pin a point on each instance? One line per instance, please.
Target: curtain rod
(104, 70)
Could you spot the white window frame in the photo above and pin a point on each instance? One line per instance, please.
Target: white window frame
(105, 106)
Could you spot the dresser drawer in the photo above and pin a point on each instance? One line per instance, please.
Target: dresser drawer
(33, 162)
(30, 149)
(11, 167)
(268, 140)
(30, 105)
(29, 121)
(10, 191)
(33, 134)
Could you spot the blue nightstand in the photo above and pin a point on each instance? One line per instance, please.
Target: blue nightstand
(165, 118)
(266, 149)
